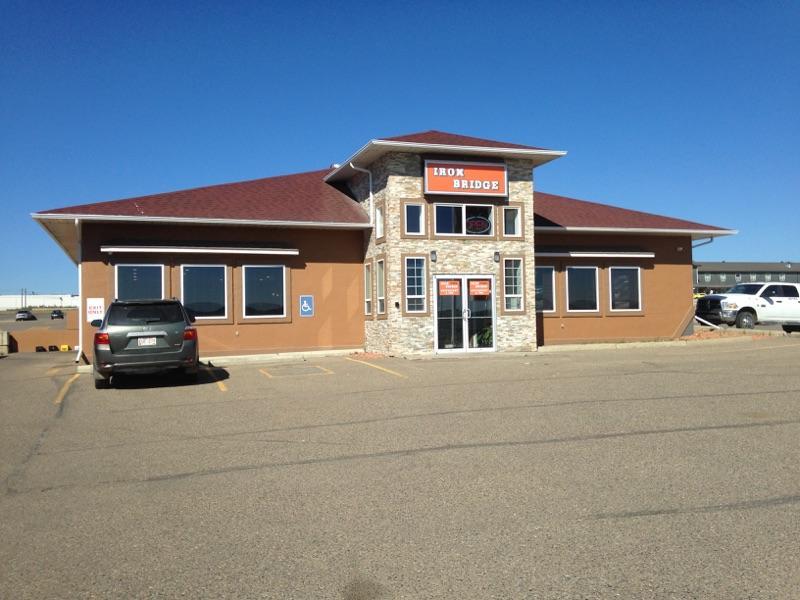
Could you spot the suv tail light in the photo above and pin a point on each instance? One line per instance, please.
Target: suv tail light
(101, 339)
(190, 333)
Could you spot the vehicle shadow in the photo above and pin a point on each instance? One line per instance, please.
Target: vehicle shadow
(208, 374)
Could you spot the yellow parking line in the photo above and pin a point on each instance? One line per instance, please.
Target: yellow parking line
(222, 387)
(265, 372)
(324, 370)
(384, 369)
(64, 389)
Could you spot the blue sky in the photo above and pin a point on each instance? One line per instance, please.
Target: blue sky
(684, 109)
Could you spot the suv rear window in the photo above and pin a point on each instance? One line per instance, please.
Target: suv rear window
(137, 314)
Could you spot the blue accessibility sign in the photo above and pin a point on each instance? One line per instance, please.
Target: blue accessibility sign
(307, 306)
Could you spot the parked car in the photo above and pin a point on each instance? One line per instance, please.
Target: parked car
(25, 315)
(746, 304)
(142, 337)
(57, 314)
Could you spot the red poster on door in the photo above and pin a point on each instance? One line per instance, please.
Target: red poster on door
(480, 287)
(449, 287)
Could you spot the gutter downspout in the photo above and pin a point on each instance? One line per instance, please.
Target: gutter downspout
(371, 198)
(703, 243)
(79, 347)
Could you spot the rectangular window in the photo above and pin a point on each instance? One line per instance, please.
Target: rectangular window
(753, 277)
(582, 294)
(204, 291)
(511, 224)
(545, 289)
(512, 284)
(624, 287)
(368, 289)
(139, 282)
(723, 277)
(415, 284)
(264, 291)
(767, 277)
(379, 231)
(414, 219)
(380, 274)
(464, 219)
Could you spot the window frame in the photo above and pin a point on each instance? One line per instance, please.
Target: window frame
(517, 208)
(285, 292)
(425, 303)
(521, 295)
(422, 225)
(368, 268)
(553, 288)
(225, 284)
(381, 260)
(380, 222)
(116, 277)
(463, 205)
(611, 289)
(596, 289)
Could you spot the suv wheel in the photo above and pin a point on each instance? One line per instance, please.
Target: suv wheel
(100, 382)
(745, 320)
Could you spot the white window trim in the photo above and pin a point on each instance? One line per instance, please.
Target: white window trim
(521, 294)
(116, 275)
(519, 222)
(611, 291)
(596, 291)
(380, 222)
(244, 293)
(421, 231)
(552, 287)
(406, 295)
(378, 297)
(225, 271)
(368, 305)
(464, 221)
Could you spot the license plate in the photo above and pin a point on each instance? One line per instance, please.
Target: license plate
(147, 341)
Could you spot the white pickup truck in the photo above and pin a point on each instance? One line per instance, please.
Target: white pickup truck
(746, 304)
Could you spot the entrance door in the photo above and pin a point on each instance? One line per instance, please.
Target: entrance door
(464, 313)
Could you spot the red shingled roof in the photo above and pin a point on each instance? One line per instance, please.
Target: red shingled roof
(451, 139)
(559, 211)
(302, 197)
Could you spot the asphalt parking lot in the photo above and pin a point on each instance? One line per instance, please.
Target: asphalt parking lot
(658, 472)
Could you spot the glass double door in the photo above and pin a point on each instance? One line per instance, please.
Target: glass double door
(464, 313)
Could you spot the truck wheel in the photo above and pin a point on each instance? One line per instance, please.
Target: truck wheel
(745, 320)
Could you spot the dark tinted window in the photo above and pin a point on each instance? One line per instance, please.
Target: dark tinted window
(139, 314)
(789, 291)
(773, 291)
(414, 218)
(745, 288)
(449, 219)
(139, 282)
(581, 288)
(263, 292)
(545, 299)
(625, 288)
(204, 290)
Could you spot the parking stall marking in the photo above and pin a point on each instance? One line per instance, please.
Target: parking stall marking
(384, 369)
(64, 389)
(220, 384)
(323, 371)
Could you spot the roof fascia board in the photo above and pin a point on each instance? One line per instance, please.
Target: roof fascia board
(199, 250)
(635, 230)
(201, 221)
(390, 145)
(579, 254)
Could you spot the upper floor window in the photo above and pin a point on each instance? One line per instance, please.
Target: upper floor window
(511, 222)
(139, 282)
(379, 230)
(414, 219)
(464, 219)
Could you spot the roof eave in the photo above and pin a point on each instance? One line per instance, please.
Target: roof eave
(695, 233)
(380, 147)
(42, 217)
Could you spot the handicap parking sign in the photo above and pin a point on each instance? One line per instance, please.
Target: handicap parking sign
(307, 306)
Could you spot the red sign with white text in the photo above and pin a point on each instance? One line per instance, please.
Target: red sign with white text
(449, 287)
(480, 287)
(461, 178)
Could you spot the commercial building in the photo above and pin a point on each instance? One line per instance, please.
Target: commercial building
(429, 242)
(711, 277)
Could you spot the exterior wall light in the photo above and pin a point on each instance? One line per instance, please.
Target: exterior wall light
(433, 255)
(497, 257)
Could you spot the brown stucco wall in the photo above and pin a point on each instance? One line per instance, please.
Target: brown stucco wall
(328, 267)
(666, 284)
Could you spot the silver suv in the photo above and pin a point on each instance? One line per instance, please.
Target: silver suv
(144, 336)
